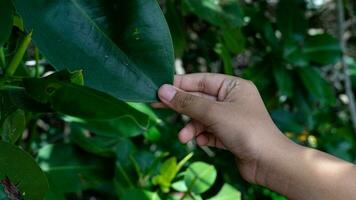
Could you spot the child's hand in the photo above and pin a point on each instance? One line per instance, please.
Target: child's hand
(227, 112)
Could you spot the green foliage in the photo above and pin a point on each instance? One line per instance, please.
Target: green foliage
(62, 95)
(124, 48)
(19, 167)
(6, 12)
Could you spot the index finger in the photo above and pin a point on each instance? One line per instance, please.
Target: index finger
(207, 83)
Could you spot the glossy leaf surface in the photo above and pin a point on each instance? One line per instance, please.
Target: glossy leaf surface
(22, 170)
(123, 47)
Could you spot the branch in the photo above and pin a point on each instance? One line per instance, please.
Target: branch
(345, 69)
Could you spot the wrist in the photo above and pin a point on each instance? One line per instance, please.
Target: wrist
(271, 165)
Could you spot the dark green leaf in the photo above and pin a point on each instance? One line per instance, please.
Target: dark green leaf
(6, 20)
(234, 40)
(13, 127)
(291, 19)
(317, 86)
(175, 22)
(123, 47)
(222, 13)
(97, 144)
(199, 177)
(71, 170)
(13, 98)
(284, 81)
(323, 49)
(286, 121)
(224, 54)
(66, 96)
(23, 171)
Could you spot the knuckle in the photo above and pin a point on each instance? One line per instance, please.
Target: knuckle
(202, 84)
(182, 101)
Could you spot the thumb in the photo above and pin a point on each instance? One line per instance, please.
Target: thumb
(197, 107)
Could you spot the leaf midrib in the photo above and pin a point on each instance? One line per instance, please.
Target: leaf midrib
(134, 68)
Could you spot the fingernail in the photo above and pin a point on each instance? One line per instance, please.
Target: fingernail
(167, 92)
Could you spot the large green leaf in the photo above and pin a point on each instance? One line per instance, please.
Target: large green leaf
(321, 49)
(62, 91)
(13, 98)
(199, 177)
(71, 170)
(97, 144)
(222, 13)
(227, 192)
(6, 19)
(123, 47)
(22, 171)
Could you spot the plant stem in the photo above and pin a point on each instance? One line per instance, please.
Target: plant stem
(16, 60)
(2, 58)
(37, 58)
(347, 80)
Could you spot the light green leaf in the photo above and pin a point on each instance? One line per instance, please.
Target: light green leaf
(123, 47)
(167, 173)
(226, 193)
(139, 194)
(22, 170)
(180, 186)
(199, 177)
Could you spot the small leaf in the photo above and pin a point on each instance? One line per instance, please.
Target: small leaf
(226, 193)
(199, 177)
(167, 173)
(23, 171)
(13, 127)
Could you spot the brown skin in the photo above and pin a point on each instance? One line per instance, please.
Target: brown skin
(228, 112)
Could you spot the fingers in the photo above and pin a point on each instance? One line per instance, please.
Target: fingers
(208, 139)
(190, 131)
(159, 105)
(201, 82)
(199, 108)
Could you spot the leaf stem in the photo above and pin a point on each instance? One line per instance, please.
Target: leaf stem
(2, 58)
(16, 60)
(37, 58)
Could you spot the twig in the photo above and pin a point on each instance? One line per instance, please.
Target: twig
(347, 80)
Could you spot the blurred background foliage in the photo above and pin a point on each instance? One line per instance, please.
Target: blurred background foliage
(295, 51)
